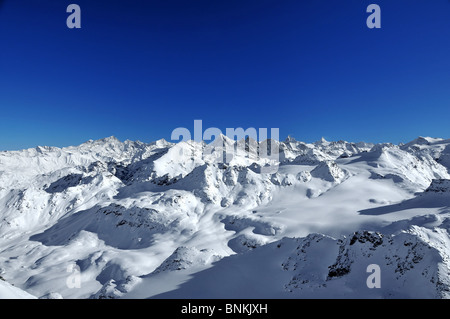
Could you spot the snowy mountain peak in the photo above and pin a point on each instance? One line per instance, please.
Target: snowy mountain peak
(222, 140)
(290, 139)
(424, 141)
(161, 143)
(322, 141)
(328, 171)
(105, 140)
(133, 212)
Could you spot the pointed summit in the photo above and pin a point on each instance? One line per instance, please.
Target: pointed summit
(290, 139)
(322, 141)
(222, 140)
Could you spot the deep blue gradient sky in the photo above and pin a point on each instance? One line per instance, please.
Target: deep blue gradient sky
(139, 69)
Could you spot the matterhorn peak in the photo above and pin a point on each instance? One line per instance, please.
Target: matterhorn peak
(322, 141)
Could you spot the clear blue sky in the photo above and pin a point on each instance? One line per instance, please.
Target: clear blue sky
(139, 69)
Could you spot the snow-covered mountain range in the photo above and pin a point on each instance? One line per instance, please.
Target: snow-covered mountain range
(112, 219)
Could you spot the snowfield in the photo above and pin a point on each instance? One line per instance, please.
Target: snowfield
(112, 219)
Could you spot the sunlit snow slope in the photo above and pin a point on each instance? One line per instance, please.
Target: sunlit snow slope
(111, 219)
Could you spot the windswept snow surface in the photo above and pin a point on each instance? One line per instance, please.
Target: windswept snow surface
(8, 291)
(112, 219)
